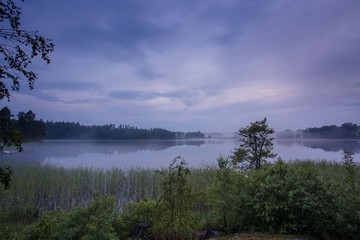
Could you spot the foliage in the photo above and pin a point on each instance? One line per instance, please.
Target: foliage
(348, 158)
(256, 145)
(224, 195)
(176, 199)
(97, 221)
(18, 47)
(173, 214)
(348, 199)
(145, 211)
(291, 200)
(284, 197)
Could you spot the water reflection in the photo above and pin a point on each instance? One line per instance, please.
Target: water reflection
(66, 149)
(157, 153)
(328, 145)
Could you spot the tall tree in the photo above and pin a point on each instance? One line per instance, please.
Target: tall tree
(18, 48)
(256, 145)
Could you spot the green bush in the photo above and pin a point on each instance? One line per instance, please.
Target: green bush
(177, 219)
(93, 222)
(144, 211)
(290, 198)
(173, 215)
(224, 196)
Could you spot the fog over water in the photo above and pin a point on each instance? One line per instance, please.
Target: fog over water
(157, 154)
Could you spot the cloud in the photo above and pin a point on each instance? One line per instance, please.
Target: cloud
(198, 64)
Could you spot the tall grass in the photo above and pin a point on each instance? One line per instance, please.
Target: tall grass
(37, 188)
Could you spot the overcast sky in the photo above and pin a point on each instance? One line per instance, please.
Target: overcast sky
(188, 65)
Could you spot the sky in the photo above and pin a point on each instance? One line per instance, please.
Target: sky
(196, 65)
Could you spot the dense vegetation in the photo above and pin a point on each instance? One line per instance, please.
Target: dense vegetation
(317, 198)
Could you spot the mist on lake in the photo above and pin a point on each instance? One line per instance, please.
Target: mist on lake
(160, 153)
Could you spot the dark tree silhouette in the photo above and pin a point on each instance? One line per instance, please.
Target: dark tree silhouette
(18, 48)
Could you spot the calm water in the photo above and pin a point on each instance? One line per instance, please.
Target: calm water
(155, 153)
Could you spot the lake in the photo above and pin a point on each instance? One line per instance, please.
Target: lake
(160, 153)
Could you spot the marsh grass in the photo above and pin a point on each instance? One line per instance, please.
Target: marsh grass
(38, 188)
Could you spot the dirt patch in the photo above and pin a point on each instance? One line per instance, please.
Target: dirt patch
(263, 236)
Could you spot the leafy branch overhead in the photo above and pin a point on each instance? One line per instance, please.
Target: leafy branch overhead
(18, 48)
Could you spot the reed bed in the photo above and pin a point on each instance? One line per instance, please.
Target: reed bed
(38, 188)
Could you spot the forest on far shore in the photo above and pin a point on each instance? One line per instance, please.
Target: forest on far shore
(33, 129)
(68, 130)
(345, 131)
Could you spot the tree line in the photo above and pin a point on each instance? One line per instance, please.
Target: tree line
(25, 127)
(32, 129)
(345, 131)
(70, 130)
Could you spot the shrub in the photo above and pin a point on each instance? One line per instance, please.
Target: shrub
(144, 211)
(296, 198)
(224, 194)
(177, 220)
(93, 222)
(172, 216)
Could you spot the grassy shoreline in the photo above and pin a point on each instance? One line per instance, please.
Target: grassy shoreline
(272, 198)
